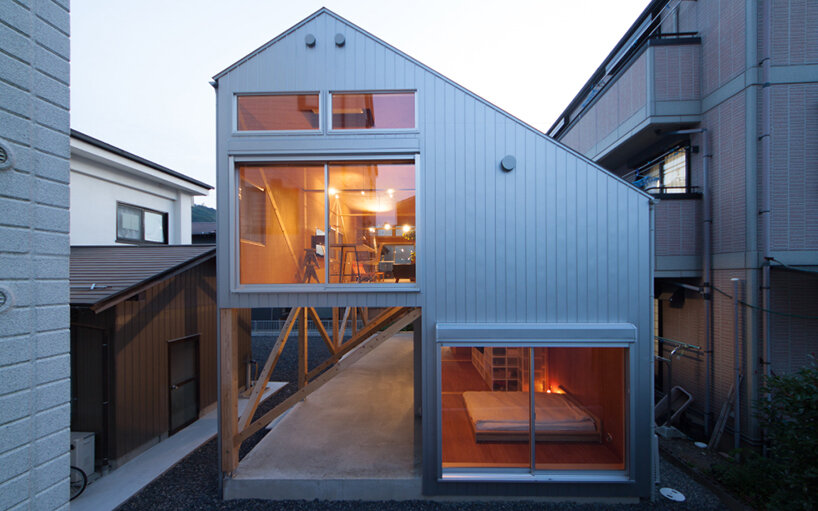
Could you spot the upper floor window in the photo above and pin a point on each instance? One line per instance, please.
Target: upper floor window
(345, 222)
(376, 111)
(665, 174)
(277, 112)
(140, 225)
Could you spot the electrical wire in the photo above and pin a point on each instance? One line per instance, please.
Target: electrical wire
(762, 309)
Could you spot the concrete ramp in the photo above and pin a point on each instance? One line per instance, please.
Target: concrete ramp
(352, 439)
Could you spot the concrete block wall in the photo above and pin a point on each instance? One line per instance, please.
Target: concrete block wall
(34, 337)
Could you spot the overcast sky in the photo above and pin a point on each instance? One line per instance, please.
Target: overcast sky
(140, 69)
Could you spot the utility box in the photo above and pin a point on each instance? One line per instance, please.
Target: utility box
(82, 451)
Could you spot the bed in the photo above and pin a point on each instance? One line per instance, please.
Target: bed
(504, 417)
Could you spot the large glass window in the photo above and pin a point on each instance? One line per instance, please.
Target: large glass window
(358, 227)
(387, 110)
(281, 221)
(279, 112)
(371, 220)
(140, 225)
(666, 174)
(573, 397)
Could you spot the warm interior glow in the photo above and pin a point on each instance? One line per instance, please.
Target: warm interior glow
(580, 423)
(277, 112)
(392, 110)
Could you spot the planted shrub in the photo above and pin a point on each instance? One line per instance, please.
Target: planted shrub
(788, 477)
(790, 416)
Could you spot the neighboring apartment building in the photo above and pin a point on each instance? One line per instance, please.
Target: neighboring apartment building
(120, 198)
(34, 340)
(712, 107)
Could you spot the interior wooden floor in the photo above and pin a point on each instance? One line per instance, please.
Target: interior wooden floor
(461, 450)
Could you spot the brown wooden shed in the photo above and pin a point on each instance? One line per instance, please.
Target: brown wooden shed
(143, 343)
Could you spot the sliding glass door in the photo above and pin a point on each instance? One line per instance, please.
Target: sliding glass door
(533, 408)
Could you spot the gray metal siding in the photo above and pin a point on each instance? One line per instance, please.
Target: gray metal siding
(556, 240)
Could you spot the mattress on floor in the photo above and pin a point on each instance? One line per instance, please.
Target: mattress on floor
(508, 412)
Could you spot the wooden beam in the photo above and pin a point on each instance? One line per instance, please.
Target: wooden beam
(267, 371)
(381, 320)
(365, 314)
(343, 327)
(335, 340)
(229, 351)
(321, 330)
(354, 321)
(302, 347)
(373, 343)
(277, 212)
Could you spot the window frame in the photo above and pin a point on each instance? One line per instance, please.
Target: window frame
(660, 159)
(334, 131)
(351, 287)
(241, 133)
(542, 335)
(142, 210)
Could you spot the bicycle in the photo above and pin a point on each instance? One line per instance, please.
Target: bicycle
(78, 481)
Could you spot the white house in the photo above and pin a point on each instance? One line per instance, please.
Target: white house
(120, 198)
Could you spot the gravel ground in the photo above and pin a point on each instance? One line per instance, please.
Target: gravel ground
(193, 483)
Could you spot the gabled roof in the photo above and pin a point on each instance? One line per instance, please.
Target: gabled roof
(138, 159)
(101, 277)
(423, 66)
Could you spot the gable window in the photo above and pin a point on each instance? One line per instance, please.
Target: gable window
(348, 222)
(666, 174)
(277, 112)
(140, 225)
(373, 111)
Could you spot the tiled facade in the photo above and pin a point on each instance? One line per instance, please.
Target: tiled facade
(34, 339)
(704, 70)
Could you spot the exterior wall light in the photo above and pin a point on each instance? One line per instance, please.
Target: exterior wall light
(508, 163)
(309, 40)
(340, 40)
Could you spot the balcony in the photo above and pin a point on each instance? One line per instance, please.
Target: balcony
(655, 86)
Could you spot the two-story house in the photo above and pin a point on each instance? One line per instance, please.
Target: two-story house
(712, 108)
(353, 177)
(118, 197)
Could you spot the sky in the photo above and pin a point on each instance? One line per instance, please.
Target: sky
(140, 70)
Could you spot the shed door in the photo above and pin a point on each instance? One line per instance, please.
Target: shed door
(183, 369)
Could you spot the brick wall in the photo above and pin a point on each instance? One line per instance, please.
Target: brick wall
(34, 339)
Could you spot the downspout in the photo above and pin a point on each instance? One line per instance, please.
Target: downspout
(707, 269)
(766, 196)
(766, 179)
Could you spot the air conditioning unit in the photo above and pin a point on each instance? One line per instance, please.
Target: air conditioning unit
(82, 451)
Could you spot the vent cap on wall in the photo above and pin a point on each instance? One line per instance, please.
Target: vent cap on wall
(508, 163)
(340, 40)
(6, 156)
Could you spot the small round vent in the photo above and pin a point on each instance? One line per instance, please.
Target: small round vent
(6, 299)
(6, 156)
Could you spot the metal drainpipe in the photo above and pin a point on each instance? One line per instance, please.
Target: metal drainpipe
(766, 178)
(736, 369)
(707, 269)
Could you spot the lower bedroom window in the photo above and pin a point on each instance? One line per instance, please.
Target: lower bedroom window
(533, 408)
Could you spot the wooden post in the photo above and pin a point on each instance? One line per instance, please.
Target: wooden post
(343, 327)
(229, 346)
(302, 347)
(335, 327)
(365, 314)
(354, 320)
(267, 371)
